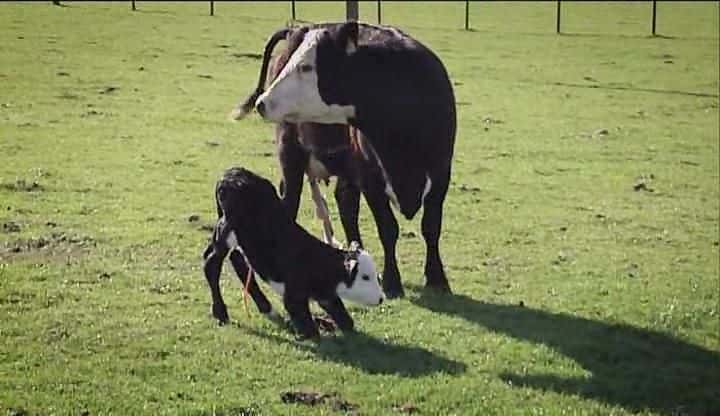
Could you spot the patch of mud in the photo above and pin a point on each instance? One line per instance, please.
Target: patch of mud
(53, 246)
(311, 398)
(643, 183)
(68, 96)
(21, 185)
(247, 55)
(11, 227)
(251, 410)
(108, 90)
(408, 408)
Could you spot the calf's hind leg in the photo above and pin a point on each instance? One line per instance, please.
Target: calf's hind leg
(241, 269)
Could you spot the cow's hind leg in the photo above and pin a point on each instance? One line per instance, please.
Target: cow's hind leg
(212, 266)
(347, 197)
(241, 269)
(431, 227)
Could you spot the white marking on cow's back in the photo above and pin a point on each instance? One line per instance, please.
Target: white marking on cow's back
(278, 287)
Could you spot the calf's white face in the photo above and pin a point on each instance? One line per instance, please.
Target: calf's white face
(294, 95)
(365, 287)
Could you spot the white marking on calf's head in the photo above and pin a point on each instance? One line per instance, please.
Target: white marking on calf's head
(294, 95)
(364, 286)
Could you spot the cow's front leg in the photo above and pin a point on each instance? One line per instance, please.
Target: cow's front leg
(293, 163)
(388, 230)
(298, 307)
(347, 197)
(336, 309)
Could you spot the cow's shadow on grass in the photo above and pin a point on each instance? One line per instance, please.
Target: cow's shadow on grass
(371, 355)
(630, 367)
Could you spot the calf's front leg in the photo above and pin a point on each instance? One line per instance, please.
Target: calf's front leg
(336, 309)
(298, 307)
(212, 266)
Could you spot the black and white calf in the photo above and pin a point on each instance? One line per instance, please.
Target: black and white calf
(254, 228)
(397, 94)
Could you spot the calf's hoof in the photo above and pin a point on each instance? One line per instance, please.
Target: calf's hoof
(308, 335)
(219, 311)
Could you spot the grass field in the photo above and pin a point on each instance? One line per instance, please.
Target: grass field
(580, 236)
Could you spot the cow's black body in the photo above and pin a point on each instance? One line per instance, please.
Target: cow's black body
(405, 120)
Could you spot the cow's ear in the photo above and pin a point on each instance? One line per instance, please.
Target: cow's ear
(347, 37)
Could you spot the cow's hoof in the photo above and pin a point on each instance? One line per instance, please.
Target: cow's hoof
(394, 292)
(219, 311)
(441, 288)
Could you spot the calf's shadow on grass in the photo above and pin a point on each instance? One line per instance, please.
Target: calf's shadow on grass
(631, 367)
(371, 355)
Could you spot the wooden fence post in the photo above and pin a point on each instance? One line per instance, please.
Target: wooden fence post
(292, 6)
(654, 15)
(379, 12)
(467, 14)
(557, 22)
(351, 10)
(133, 5)
(212, 8)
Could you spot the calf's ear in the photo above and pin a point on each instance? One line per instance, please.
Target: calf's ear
(347, 36)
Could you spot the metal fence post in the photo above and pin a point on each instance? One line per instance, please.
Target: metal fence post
(212, 8)
(292, 5)
(379, 13)
(654, 15)
(351, 10)
(557, 22)
(133, 5)
(467, 14)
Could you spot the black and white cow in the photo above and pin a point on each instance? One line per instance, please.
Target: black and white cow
(254, 228)
(397, 94)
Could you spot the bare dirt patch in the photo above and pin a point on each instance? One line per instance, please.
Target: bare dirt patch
(54, 246)
(311, 398)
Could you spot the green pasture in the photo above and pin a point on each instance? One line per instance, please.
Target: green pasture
(580, 234)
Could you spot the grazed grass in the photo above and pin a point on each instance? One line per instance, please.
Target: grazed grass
(581, 231)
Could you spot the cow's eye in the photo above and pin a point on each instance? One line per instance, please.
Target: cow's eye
(365, 277)
(306, 68)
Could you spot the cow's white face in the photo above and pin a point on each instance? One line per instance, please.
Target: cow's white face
(365, 287)
(294, 96)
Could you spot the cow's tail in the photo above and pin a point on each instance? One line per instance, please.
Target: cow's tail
(243, 109)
